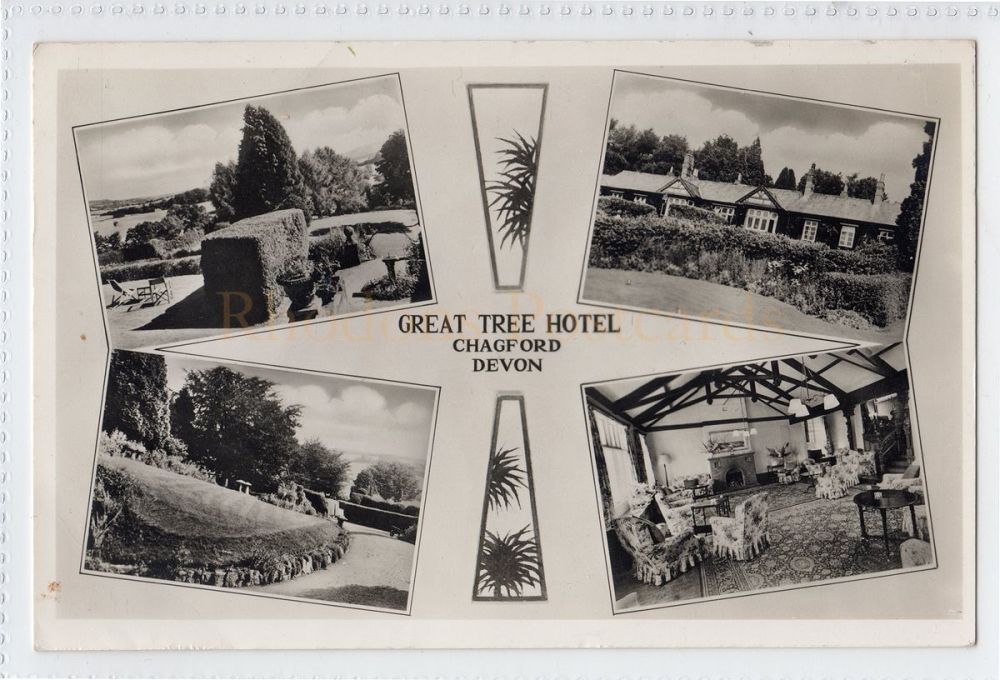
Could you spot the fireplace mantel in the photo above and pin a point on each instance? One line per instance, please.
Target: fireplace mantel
(725, 466)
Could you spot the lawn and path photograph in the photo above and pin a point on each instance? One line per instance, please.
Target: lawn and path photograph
(273, 482)
(758, 209)
(254, 213)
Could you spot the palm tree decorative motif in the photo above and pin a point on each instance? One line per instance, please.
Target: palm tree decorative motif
(509, 565)
(507, 131)
(513, 195)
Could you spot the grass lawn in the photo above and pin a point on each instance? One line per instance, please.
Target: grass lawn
(703, 299)
(216, 525)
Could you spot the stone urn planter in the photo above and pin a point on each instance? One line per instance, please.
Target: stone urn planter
(299, 286)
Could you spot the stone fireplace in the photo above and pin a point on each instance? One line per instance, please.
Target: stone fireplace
(733, 470)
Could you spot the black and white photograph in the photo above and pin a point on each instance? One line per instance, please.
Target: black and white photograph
(272, 482)
(759, 477)
(758, 210)
(254, 213)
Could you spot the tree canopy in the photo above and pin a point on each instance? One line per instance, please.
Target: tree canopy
(394, 187)
(786, 179)
(391, 480)
(334, 183)
(136, 398)
(237, 426)
(319, 468)
(911, 210)
(267, 175)
(719, 159)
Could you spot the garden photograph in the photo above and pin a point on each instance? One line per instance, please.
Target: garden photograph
(273, 482)
(758, 210)
(254, 213)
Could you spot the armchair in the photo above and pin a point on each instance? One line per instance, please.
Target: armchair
(908, 480)
(744, 535)
(657, 559)
(835, 482)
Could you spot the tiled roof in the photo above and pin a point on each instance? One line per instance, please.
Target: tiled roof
(636, 181)
(821, 205)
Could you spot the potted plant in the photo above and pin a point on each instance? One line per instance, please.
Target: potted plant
(779, 454)
(297, 281)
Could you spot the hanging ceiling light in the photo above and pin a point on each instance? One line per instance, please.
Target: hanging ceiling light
(796, 408)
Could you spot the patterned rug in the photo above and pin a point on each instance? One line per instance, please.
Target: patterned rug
(815, 540)
(779, 496)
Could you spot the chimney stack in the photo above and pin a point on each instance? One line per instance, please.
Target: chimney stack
(808, 189)
(687, 170)
(739, 178)
(879, 190)
(843, 192)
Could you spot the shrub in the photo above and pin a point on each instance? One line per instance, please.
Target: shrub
(690, 212)
(613, 205)
(146, 250)
(247, 258)
(151, 269)
(384, 288)
(879, 298)
(110, 257)
(290, 496)
(116, 444)
(410, 534)
(847, 317)
(110, 513)
(870, 257)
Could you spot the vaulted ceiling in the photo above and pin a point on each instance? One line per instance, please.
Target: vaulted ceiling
(851, 376)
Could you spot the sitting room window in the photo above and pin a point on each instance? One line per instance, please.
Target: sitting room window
(761, 220)
(617, 194)
(886, 235)
(809, 229)
(639, 198)
(726, 212)
(622, 477)
(847, 236)
(676, 200)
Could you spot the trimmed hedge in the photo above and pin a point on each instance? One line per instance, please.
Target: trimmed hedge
(245, 260)
(879, 298)
(613, 205)
(376, 518)
(402, 508)
(151, 269)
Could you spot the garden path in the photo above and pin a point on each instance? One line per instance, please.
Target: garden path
(373, 560)
(704, 299)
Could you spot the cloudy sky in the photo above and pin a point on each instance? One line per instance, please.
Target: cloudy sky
(173, 152)
(354, 416)
(792, 132)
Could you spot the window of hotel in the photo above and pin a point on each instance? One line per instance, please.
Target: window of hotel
(726, 212)
(640, 199)
(676, 200)
(809, 229)
(618, 194)
(886, 235)
(846, 236)
(761, 220)
(622, 478)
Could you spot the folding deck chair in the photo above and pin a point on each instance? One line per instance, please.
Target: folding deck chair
(123, 295)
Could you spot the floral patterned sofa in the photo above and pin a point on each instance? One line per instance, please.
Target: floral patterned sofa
(657, 558)
(744, 535)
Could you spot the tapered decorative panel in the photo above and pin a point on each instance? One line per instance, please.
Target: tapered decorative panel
(509, 563)
(507, 126)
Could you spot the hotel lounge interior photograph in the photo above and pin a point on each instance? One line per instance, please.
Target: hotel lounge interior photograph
(761, 476)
